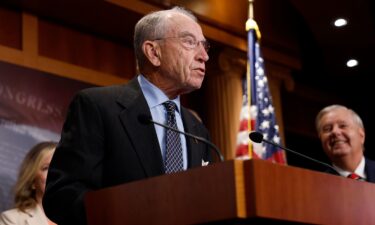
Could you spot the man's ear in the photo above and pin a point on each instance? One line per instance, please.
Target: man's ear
(362, 135)
(151, 51)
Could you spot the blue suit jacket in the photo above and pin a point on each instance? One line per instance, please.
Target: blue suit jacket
(103, 144)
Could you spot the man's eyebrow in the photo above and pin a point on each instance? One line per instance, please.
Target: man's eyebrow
(186, 33)
(326, 125)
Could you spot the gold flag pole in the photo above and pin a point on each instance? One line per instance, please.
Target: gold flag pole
(248, 82)
(251, 11)
(250, 23)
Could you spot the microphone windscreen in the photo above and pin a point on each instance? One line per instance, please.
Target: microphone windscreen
(256, 137)
(144, 119)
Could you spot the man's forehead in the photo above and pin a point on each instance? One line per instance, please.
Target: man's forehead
(182, 25)
(178, 19)
(341, 112)
(338, 116)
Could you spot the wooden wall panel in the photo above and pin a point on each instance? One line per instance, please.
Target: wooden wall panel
(10, 28)
(303, 104)
(86, 50)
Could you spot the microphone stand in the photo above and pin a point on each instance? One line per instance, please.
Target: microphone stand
(258, 138)
(217, 151)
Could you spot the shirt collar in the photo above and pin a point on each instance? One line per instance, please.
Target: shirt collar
(360, 170)
(154, 96)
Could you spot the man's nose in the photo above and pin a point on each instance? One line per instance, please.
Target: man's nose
(335, 130)
(202, 53)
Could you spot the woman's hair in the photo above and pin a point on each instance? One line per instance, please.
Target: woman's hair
(25, 193)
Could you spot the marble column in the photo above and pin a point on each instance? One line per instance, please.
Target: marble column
(224, 98)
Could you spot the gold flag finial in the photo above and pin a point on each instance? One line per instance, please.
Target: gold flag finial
(250, 23)
(251, 11)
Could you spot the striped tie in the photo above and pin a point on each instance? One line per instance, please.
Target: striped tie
(173, 156)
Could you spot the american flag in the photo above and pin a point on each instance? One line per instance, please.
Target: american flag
(258, 114)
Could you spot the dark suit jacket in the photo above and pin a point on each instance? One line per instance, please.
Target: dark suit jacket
(103, 144)
(369, 170)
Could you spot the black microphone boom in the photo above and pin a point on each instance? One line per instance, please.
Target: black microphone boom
(147, 120)
(258, 138)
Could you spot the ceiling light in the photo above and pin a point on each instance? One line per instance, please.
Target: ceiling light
(340, 22)
(351, 63)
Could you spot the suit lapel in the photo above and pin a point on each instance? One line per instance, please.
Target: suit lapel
(143, 137)
(194, 156)
(370, 170)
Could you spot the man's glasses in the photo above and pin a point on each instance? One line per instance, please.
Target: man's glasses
(189, 42)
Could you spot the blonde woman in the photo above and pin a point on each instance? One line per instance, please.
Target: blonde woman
(29, 188)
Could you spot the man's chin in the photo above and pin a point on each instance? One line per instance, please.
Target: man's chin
(340, 152)
(194, 85)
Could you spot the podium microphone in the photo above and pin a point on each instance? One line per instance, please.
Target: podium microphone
(257, 137)
(144, 119)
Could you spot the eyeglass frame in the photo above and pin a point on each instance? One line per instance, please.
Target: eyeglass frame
(206, 45)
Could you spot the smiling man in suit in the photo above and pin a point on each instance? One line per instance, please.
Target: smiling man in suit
(342, 135)
(103, 143)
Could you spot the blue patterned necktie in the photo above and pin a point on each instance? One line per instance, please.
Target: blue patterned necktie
(173, 156)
